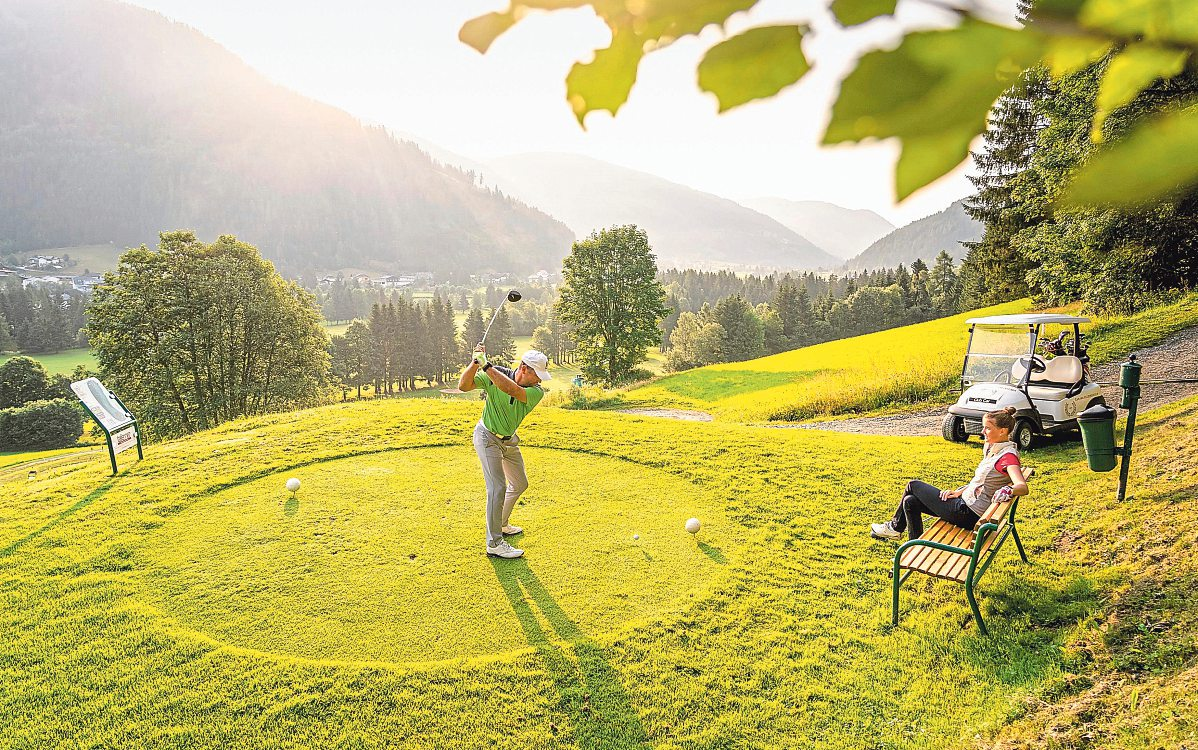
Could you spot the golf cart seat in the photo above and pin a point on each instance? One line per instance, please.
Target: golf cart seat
(1055, 382)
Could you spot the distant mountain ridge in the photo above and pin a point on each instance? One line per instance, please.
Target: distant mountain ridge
(843, 232)
(108, 136)
(924, 238)
(686, 227)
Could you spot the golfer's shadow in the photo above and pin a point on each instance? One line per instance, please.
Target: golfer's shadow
(589, 689)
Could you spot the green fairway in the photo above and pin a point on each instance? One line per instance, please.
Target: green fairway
(61, 363)
(192, 601)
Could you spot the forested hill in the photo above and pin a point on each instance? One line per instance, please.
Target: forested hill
(117, 123)
(924, 239)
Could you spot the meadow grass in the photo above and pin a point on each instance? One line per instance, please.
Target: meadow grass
(191, 601)
(61, 363)
(899, 366)
(90, 258)
(890, 370)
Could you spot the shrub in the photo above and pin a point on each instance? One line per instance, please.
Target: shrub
(40, 425)
(24, 380)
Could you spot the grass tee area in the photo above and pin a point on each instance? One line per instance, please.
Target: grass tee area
(192, 601)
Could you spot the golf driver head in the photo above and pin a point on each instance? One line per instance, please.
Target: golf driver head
(513, 296)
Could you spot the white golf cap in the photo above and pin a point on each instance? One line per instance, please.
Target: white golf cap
(538, 362)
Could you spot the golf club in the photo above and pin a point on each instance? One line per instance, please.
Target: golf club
(512, 296)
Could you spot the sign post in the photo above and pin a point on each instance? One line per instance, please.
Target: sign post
(117, 422)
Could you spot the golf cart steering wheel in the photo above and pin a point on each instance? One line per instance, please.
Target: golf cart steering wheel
(1033, 363)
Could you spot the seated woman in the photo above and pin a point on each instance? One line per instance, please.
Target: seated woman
(963, 506)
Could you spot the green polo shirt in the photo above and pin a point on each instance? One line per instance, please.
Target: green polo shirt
(502, 413)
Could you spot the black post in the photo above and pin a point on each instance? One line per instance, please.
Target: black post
(1129, 379)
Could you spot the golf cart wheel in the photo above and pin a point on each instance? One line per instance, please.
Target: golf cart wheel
(1023, 435)
(953, 429)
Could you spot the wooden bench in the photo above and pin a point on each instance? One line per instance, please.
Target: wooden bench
(955, 554)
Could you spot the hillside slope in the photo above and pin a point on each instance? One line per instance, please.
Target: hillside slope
(687, 228)
(119, 124)
(876, 371)
(924, 238)
(191, 601)
(843, 232)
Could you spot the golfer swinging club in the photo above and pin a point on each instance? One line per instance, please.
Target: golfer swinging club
(511, 395)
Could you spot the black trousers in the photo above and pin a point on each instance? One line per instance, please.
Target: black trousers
(921, 497)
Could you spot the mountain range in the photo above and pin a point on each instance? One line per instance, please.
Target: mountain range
(687, 228)
(118, 123)
(843, 232)
(114, 137)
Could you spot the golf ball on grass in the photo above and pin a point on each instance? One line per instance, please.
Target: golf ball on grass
(293, 485)
(635, 537)
(693, 525)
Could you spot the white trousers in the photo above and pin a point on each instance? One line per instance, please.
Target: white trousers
(503, 470)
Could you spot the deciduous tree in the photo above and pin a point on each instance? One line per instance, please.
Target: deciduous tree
(195, 334)
(612, 300)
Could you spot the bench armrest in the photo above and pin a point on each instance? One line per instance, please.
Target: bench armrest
(980, 536)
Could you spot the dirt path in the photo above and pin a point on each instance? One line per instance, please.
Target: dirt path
(1176, 357)
(689, 415)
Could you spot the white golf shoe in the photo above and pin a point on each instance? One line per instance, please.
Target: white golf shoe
(505, 550)
(512, 530)
(883, 531)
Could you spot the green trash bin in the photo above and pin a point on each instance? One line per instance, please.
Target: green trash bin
(1098, 436)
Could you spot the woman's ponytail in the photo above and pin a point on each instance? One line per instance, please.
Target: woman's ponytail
(1003, 419)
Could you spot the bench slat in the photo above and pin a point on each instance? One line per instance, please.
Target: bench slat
(952, 566)
(914, 556)
(947, 560)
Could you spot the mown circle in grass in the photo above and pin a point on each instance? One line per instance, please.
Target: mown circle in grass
(382, 557)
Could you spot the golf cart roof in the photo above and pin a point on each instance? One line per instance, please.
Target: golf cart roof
(1030, 319)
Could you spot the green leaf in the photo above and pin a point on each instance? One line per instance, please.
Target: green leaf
(604, 83)
(853, 12)
(1130, 73)
(1155, 20)
(1153, 161)
(936, 84)
(1067, 54)
(925, 159)
(667, 20)
(754, 65)
(480, 32)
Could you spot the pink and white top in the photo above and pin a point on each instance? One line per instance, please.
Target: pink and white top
(991, 474)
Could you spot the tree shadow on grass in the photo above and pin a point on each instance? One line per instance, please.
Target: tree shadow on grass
(589, 689)
(90, 498)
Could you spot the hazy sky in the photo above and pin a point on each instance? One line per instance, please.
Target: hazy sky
(399, 63)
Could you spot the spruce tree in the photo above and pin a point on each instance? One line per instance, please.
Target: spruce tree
(994, 270)
(7, 342)
(472, 332)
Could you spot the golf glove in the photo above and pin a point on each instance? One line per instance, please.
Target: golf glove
(481, 358)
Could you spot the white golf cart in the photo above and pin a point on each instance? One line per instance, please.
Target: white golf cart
(1002, 368)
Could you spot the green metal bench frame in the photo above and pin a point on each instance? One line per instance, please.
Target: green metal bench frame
(975, 571)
